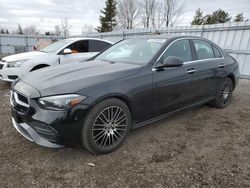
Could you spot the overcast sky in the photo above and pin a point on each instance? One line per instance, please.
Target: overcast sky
(45, 14)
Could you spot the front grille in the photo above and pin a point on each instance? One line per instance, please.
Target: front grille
(23, 99)
(19, 102)
(1, 66)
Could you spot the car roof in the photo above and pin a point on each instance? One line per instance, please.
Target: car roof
(167, 37)
(171, 37)
(74, 39)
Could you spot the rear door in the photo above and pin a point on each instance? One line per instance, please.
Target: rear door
(173, 88)
(208, 65)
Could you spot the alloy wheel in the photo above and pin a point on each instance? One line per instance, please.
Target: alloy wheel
(110, 127)
(226, 93)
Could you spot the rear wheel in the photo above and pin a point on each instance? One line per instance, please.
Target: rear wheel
(106, 126)
(224, 94)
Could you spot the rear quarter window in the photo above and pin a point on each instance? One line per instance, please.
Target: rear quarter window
(217, 53)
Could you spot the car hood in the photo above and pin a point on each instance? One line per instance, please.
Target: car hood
(72, 78)
(22, 56)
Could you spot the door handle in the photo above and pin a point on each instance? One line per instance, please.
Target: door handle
(222, 65)
(191, 71)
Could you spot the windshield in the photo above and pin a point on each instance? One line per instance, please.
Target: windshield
(56, 46)
(138, 51)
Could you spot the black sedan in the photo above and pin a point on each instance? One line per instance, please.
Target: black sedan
(134, 82)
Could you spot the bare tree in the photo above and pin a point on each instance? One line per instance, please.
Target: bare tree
(127, 12)
(88, 28)
(30, 30)
(147, 9)
(65, 27)
(172, 11)
(157, 18)
(62, 30)
(58, 31)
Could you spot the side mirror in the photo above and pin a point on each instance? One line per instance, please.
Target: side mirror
(171, 61)
(67, 51)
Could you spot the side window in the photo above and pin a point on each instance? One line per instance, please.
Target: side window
(97, 46)
(180, 49)
(79, 47)
(203, 49)
(217, 53)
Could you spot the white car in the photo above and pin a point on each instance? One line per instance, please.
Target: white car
(61, 52)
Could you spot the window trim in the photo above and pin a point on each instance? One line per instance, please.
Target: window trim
(192, 51)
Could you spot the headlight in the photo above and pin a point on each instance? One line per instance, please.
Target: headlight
(14, 64)
(61, 102)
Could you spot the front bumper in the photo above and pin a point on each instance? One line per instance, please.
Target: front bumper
(10, 74)
(49, 128)
(30, 134)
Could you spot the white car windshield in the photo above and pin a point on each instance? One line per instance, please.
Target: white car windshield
(138, 51)
(56, 46)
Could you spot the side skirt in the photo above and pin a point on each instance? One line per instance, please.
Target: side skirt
(135, 126)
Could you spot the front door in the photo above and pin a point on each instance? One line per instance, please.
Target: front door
(80, 52)
(173, 87)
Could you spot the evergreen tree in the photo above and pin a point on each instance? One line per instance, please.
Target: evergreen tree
(107, 19)
(239, 18)
(219, 16)
(19, 30)
(198, 18)
(2, 31)
(7, 31)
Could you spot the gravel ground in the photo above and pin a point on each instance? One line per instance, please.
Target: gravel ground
(203, 147)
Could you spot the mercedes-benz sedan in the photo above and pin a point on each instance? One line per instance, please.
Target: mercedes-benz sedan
(134, 82)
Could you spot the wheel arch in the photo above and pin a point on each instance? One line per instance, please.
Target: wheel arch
(119, 96)
(39, 66)
(232, 77)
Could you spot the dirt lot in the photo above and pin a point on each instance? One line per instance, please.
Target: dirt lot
(204, 147)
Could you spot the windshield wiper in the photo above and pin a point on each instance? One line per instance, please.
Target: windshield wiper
(108, 61)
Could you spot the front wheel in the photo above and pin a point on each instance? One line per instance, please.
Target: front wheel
(106, 126)
(224, 94)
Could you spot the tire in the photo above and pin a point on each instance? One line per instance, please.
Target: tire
(106, 126)
(224, 94)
